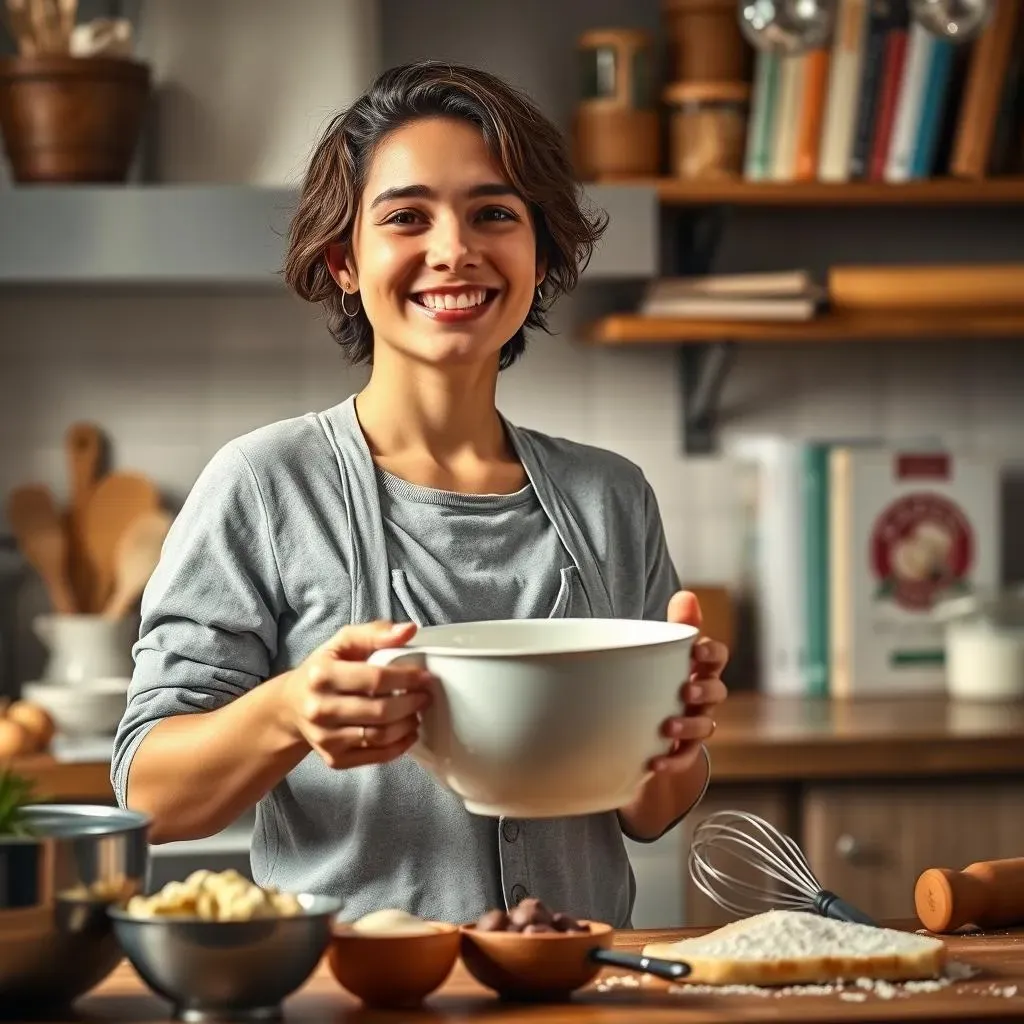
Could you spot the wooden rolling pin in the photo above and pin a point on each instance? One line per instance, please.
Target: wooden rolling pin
(987, 894)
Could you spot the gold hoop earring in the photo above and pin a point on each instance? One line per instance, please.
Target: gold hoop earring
(344, 308)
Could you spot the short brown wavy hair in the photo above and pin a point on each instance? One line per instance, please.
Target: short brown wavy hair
(529, 148)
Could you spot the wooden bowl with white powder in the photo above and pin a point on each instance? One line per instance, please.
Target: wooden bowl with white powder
(391, 959)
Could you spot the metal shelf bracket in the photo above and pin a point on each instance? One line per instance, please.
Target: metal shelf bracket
(703, 370)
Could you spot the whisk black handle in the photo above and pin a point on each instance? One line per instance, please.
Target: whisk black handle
(828, 904)
(669, 970)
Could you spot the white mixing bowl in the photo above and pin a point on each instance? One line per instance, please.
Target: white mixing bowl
(547, 717)
(89, 707)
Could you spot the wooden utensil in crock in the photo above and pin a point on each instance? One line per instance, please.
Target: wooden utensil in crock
(83, 443)
(116, 501)
(135, 557)
(39, 531)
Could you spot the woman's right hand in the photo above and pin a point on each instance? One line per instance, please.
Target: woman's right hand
(353, 713)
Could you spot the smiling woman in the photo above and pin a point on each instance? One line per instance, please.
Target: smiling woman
(439, 219)
(440, 185)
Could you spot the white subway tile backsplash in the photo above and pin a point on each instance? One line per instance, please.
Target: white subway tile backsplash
(172, 377)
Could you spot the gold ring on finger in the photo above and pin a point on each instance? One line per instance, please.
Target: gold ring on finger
(363, 741)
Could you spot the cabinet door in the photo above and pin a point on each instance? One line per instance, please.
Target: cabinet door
(870, 842)
(775, 803)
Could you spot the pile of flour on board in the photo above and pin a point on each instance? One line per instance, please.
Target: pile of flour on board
(787, 953)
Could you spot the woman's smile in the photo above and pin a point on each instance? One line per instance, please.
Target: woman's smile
(454, 304)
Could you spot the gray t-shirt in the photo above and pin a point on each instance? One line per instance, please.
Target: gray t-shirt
(280, 543)
(456, 557)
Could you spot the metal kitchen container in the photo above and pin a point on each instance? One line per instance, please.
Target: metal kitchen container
(56, 938)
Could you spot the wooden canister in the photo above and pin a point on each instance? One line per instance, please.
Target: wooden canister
(705, 41)
(616, 129)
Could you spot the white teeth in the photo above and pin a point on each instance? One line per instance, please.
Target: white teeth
(446, 300)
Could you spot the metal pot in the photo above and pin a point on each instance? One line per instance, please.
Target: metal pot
(56, 938)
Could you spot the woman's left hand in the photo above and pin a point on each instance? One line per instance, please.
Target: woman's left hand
(701, 693)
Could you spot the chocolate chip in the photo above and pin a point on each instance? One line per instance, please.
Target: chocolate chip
(493, 921)
(531, 917)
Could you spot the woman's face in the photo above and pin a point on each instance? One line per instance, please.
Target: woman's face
(444, 253)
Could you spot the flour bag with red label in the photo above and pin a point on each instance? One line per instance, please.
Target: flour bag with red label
(907, 530)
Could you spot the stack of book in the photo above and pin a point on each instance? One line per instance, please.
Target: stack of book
(888, 101)
(780, 295)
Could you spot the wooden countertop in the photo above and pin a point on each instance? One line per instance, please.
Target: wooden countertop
(782, 738)
(796, 738)
(996, 993)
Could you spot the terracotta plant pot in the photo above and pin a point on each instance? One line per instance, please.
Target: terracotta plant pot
(71, 119)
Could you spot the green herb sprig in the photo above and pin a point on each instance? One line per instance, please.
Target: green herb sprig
(16, 793)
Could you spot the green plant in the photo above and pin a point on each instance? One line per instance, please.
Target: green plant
(16, 792)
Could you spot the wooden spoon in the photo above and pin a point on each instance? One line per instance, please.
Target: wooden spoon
(116, 501)
(67, 15)
(36, 522)
(20, 23)
(83, 444)
(136, 556)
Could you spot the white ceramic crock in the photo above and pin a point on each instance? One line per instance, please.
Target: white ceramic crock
(541, 718)
(84, 647)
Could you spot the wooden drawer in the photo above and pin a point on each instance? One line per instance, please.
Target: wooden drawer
(869, 843)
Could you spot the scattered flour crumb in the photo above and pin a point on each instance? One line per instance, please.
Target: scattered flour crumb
(856, 990)
(957, 971)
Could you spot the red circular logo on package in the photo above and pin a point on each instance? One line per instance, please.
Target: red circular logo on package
(922, 547)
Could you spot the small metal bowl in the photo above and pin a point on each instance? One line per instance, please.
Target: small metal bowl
(227, 970)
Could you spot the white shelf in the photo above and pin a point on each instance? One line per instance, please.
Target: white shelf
(223, 235)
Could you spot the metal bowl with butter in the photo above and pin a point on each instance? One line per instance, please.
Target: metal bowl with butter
(218, 946)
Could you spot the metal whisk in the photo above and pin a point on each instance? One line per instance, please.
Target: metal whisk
(751, 842)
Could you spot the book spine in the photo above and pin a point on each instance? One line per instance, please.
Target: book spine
(757, 159)
(888, 96)
(816, 566)
(879, 20)
(940, 71)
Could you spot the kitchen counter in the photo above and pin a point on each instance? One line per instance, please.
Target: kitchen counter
(763, 738)
(996, 993)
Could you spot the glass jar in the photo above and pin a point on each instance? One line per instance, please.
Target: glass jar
(985, 646)
(615, 66)
(707, 128)
(616, 126)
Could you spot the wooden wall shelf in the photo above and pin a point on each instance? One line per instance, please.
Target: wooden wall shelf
(834, 326)
(930, 192)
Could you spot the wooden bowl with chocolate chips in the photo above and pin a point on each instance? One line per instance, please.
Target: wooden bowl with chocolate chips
(532, 953)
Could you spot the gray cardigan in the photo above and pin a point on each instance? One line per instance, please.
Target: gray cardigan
(279, 545)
